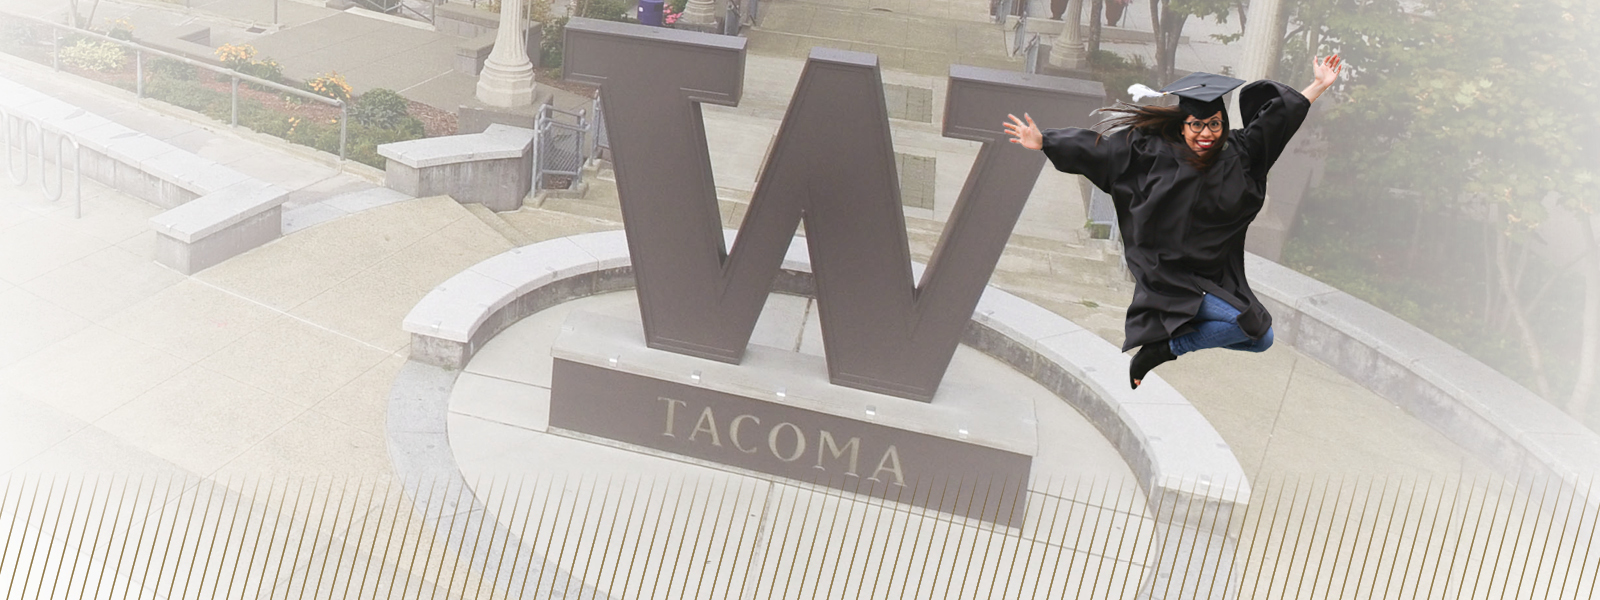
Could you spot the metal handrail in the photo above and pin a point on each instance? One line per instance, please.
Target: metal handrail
(543, 124)
(549, 111)
(62, 139)
(140, 49)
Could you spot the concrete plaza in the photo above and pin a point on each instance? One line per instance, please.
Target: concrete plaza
(277, 366)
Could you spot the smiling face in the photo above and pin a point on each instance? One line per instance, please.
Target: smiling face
(1202, 134)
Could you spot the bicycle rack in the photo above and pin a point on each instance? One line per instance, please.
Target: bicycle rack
(16, 139)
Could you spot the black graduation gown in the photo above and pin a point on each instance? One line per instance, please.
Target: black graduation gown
(1183, 230)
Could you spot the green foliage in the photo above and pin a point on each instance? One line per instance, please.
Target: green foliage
(94, 55)
(121, 29)
(1452, 112)
(1464, 104)
(166, 68)
(361, 142)
(192, 95)
(676, 5)
(609, 10)
(380, 107)
(364, 141)
(551, 43)
(267, 69)
(1117, 72)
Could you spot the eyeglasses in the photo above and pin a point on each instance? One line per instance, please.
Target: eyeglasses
(1198, 126)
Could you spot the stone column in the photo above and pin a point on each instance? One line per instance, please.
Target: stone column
(1263, 46)
(507, 77)
(699, 13)
(1067, 52)
(1262, 42)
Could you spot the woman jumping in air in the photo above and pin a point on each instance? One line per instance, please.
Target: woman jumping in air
(1186, 188)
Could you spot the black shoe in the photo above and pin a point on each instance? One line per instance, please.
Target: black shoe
(1147, 358)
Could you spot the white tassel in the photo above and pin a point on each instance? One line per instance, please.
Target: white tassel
(1141, 91)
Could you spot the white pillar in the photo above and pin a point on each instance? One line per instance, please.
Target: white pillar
(1263, 43)
(699, 12)
(1068, 52)
(507, 77)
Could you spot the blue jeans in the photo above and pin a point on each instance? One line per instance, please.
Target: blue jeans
(1218, 327)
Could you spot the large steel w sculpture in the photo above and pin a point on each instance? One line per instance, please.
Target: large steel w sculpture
(833, 168)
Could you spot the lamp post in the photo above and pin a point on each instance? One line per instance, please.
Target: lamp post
(507, 77)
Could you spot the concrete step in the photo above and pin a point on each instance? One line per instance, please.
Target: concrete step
(922, 42)
(516, 236)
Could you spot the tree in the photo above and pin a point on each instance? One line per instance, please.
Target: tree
(1167, 18)
(1481, 111)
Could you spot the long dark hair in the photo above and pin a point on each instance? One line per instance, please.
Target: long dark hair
(1165, 121)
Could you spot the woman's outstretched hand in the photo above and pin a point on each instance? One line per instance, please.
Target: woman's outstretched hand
(1324, 71)
(1026, 134)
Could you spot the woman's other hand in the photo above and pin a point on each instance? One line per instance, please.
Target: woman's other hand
(1324, 71)
(1026, 134)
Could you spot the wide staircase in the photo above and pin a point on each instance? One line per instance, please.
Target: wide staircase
(922, 36)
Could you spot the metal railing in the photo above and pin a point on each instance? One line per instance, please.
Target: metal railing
(602, 142)
(139, 52)
(1030, 55)
(1002, 10)
(559, 147)
(730, 19)
(752, 8)
(1018, 34)
(18, 124)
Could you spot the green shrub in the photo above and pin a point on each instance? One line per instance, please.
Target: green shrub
(166, 68)
(267, 69)
(550, 43)
(361, 142)
(609, 10)
(192, 95)
(676, 5)
(94, 55)
(380, 108)
(1117, 73)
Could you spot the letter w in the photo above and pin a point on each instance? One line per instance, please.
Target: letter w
(833, 167)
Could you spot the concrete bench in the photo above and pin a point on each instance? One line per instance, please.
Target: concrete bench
(493, 168)
(219, 226)
(1180, 458)
(215, 212)
(1466, 400)
(462, 20)
(471, 53)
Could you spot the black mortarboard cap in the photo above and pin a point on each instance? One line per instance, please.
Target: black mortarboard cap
(1200, 94)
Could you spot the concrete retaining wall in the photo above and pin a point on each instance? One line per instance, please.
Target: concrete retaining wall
(1466, 400)
(1187, 468)
(493, 168)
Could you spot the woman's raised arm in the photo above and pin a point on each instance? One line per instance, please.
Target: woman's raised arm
(1324, 72)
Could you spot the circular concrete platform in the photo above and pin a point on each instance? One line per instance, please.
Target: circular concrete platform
(704, 530)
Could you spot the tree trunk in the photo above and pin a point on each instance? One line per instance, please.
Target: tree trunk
(1168, 30)
(1513, 305)
(1589, 350)
(1516, 285)
(1155, 32)
(1416, 238)
(1488, 278)
(1095, 27)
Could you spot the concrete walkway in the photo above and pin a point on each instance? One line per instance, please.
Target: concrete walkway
(277, 364)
